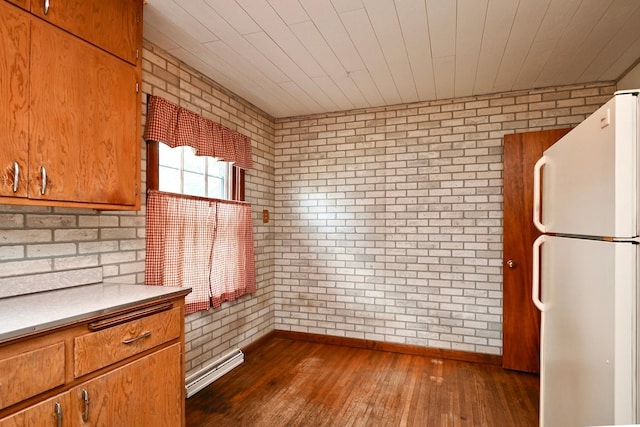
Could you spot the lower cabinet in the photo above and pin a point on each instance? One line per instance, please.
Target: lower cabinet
(143, 393)
(121, 371)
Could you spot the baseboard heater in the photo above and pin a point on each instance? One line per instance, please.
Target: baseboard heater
(209, 374)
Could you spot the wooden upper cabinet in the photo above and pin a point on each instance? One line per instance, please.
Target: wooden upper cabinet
(115, 26)
(14, 93)
(84, 133)
(70, 116)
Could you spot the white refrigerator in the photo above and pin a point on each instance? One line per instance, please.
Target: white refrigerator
(585, 269)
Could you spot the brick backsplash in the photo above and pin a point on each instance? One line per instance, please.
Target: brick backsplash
(389, 220)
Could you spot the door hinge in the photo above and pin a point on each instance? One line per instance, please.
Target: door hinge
(137, 87)
(137, 53)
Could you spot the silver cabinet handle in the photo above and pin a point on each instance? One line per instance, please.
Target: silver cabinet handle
(143, 335)
(16, 176)
(58, 412)
(45, 9)
(43, 188)
(85, 399)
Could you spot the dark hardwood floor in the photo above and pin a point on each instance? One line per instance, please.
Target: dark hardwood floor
(297, 383)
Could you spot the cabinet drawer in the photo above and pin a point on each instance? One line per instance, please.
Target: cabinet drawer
(102, 348)
(30, 373)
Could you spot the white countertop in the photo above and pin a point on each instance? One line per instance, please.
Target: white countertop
(28, 314)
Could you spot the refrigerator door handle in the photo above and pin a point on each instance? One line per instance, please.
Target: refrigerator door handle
(537, 195)
(535, 280)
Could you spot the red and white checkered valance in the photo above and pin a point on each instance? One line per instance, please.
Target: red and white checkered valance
(176, 126)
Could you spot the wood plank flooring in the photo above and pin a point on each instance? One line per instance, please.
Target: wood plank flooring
(297, 383)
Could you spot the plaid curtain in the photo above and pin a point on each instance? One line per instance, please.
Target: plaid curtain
(233, 266)
(203, 244)
(176, 126)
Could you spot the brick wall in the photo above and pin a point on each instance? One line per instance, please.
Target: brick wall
(36, 240)
(386, 223)
(389, 220)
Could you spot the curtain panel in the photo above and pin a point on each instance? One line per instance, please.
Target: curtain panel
(200, 243)
(233, 266)
(176, 126)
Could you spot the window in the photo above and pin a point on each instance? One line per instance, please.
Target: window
(179, 170)
(195, 237)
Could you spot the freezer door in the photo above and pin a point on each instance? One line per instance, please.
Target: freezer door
(589, 332)
(589, 177)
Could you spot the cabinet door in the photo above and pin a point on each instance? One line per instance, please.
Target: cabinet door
(43, 414)
(112, 25)
(25, 4)
(83, 121)
(146, 392)
(14, 93)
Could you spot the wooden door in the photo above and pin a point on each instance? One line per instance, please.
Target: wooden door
(14, 94)
(146, 392)
(83, 122)
(521, 319)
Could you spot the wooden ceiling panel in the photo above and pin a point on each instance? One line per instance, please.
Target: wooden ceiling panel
(330, 26)
(548, 36)
(620, 21)
(267, 71)
(290, 11)
(340, 101)
(469, 29)
(415, 33)
(364, 38)
(497, 28)
(525, 27)
(162, 38)
(342, 6)
(302, 81)
(235, 15)
(302, 97)
(367, 87)
(310, 37)
(276, 30)
(292, 57)
(386, 26)
(617, 55)
(190, 29)
(560, 62)
(246, 80)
